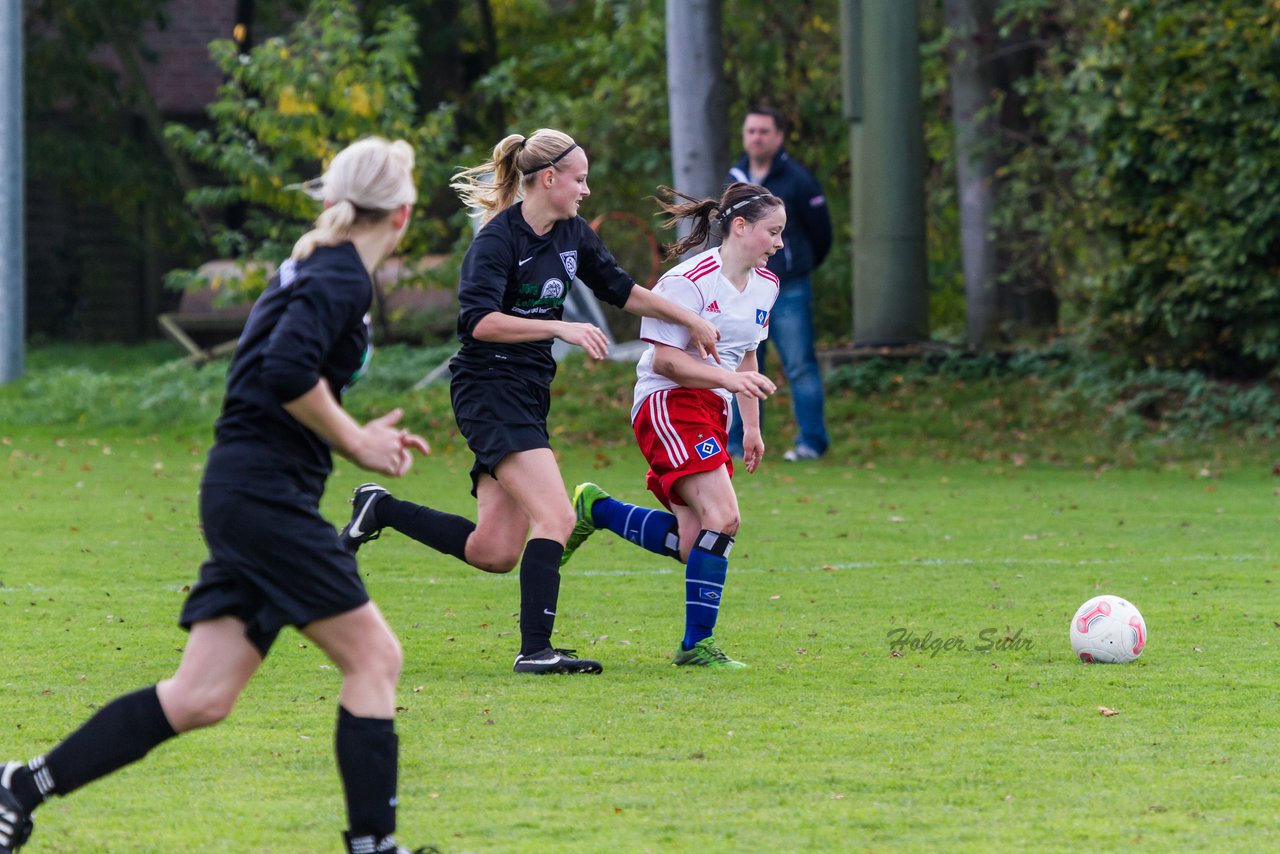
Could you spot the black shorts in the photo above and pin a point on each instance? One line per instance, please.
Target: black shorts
(499, 414)
(273, 562)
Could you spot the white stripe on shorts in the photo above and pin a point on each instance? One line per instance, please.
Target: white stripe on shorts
(666, 432)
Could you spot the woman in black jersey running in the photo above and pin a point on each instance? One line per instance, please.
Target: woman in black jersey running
(511, 295)
(273, 560)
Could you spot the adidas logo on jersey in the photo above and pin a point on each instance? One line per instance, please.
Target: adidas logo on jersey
(714, 308)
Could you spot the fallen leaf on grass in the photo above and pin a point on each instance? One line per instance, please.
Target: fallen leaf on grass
(1107, 713)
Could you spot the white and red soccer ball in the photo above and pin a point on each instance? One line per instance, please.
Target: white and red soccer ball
(1108, 630)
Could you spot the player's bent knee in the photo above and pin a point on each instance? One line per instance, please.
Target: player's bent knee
(557, 527)
(497, 563)
(188, 710)
(724, 522)
(386, 659)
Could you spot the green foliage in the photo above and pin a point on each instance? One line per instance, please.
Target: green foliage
(1186, 150)
(1155, 187)
(598, 71)
(1056, 405)
(1059, 391)
(151, 388)
(292, 103)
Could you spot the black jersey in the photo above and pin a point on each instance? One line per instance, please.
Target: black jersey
(511, 269)
(311, 322)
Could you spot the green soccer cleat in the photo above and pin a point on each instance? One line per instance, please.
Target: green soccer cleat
(585, 495)
(705, 653)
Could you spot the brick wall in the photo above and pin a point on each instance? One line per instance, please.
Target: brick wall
(183, 79)
(91, 276)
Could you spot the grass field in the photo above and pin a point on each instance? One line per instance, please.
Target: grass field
(830, 742)
(972, 517)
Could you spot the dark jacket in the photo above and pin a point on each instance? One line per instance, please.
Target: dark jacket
(807, 238)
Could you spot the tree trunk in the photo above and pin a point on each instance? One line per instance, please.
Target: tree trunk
(972, 80)
(697, 98)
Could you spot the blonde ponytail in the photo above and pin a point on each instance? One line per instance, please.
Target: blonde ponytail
(499, 182)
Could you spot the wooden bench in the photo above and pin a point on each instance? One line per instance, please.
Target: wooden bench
(207, 330)
(202, 327)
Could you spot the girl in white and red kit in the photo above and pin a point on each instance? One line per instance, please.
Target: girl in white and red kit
(681, 412)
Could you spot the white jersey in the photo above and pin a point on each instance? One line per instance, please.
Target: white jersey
(699, 285)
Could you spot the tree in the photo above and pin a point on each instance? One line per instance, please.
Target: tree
(971, 25)
(696, 97)
(293, 102)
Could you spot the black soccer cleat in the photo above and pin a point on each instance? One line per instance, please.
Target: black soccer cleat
(363, 526)
(555, 661)
(371, 844)
(15, 822)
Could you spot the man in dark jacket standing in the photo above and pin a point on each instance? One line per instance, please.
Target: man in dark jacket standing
(806, 241)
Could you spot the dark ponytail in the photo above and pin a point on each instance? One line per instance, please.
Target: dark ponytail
(749, 201)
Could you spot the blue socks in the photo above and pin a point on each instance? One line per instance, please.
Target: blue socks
(653, 530)
(704, 577)
(656, 531)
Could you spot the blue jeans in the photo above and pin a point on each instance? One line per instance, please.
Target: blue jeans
(791, 331)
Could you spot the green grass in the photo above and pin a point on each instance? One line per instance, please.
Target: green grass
(829, 743)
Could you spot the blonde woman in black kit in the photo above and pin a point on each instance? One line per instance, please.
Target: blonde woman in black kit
(273, 560)
(515, 279)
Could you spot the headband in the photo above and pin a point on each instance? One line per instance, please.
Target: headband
(313, 188)
(552, 162)
(724, 215)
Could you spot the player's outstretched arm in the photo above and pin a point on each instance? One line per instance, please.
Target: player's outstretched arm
(703, 334)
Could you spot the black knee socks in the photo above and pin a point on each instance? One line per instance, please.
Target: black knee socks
(443, 532)
(121, 732)
(539, 593)
(368, 759)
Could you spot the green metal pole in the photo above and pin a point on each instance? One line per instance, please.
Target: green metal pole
(890, 283)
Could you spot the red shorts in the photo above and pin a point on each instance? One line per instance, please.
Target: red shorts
(682, 431)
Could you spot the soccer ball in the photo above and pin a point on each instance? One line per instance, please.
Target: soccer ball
(1108, 630)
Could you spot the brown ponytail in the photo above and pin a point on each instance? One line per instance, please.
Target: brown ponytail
(749, 201)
